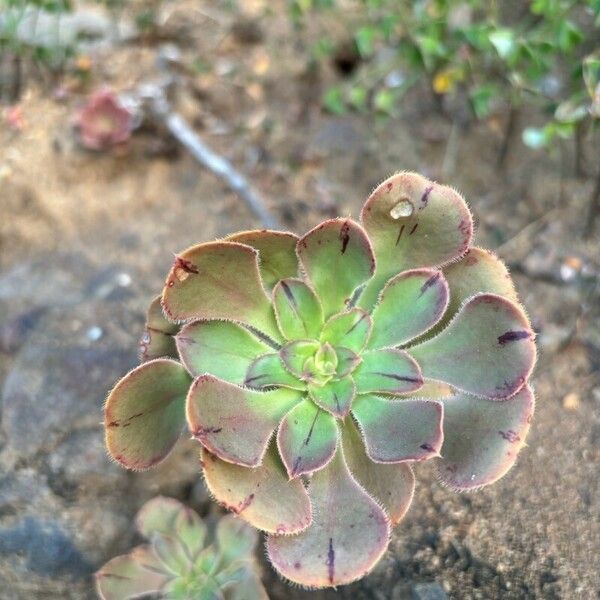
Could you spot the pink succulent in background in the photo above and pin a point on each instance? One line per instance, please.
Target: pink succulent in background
(316, 372)
(104, 122)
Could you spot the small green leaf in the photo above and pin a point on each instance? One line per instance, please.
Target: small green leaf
(306, 439)
(144, 413)
(350, 329)
(298, 310)
(365, 38)
(221, 348)
(295, 356)
(410, 304)
(347, 361)
(233, 422)
(262, 496)
(349, 533)
(236, 540)
(268, 370)
(338, 246)
(482, 438)
(333, 101)
(387, 371)
(335, 396)
(504, 41)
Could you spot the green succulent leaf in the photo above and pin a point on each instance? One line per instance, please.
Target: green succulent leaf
(482, 438)
(171, 552)
(233, 422)
(398, 430)
(268, 370)
(347, 361)
(219, 280)
(262, 496)
(335, 396)
(307, 438)
(478, 272)
(276, 253)
(393, 485)
(158, 339)
(295, 356)
(144, 413)
(348, 535)
(221, 348)
(413, 222)
(410, 304)
(349, 329)
(132, 576)
(235, 539)
(298, 310)
(163, 515)
(340, 247)
(487, 350)
(190, 530)
(387, 371)
(248, 589)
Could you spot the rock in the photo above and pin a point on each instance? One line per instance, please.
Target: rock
(60, 378)
(428, 591)
(45, 546)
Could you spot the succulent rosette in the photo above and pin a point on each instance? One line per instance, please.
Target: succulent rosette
(182, 561)
(316, 371)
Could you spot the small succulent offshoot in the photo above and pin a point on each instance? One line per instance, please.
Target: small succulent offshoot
(178, 563)
(104, 122)
(317, 371)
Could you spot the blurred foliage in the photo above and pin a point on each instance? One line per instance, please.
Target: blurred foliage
(495, 54)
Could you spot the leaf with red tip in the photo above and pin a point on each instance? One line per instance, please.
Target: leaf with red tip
(268, 370)
(410, 304)
(219, 280)
(487, 350)
(387, 371)
(235, 423)
(478, 271)
(349, 533)
(221, 348)
(482, 438)
(397, 430)
(262, 496)
(298, 310)
(276, 253)
(413, 222)
(335, 396)
(349, 329)
(306, 439)
(338, 248)
(144, 413)
(158, 339)
(393, 485)
(132, 576)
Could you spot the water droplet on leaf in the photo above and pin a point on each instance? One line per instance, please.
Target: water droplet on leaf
(404, 208)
